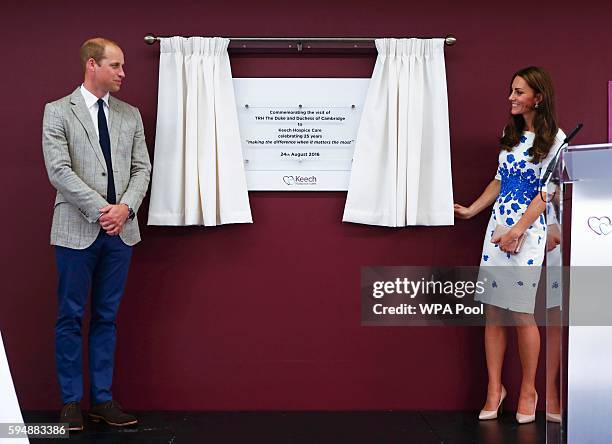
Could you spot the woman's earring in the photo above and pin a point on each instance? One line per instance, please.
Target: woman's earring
(537, 105)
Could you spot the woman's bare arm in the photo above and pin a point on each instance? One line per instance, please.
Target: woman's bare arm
(485, 200)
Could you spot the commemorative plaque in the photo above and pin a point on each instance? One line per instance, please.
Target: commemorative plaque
(299, 134)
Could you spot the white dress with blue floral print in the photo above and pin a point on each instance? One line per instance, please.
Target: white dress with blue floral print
(513, 282)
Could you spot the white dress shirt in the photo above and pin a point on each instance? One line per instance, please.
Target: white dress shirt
(91, 102)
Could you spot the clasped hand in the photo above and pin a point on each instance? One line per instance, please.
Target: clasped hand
(507, 242)
(113, 218)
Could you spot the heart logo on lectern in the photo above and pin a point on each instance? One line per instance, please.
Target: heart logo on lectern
(600, 225)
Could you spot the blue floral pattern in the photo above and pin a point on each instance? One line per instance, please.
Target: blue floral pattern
(513, 278)
(519, 182)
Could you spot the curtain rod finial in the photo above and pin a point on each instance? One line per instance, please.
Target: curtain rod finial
(150, 39)
(450, 40)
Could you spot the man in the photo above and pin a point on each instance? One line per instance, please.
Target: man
(97, 159)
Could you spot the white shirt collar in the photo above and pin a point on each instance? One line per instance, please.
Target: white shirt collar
(90, 99)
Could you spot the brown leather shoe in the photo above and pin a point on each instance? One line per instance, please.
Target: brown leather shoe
(110, 412)
(71, 413)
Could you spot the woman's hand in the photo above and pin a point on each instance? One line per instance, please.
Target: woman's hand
(462, 212)
(508, 242)
(553, 237)
(485, 200)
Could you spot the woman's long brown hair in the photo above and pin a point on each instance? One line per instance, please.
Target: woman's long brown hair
(545, 120)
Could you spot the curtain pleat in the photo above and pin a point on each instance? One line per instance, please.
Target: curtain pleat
(198, 169)
(401, 173)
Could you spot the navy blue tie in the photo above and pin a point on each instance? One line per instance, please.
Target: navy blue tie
(106, 150)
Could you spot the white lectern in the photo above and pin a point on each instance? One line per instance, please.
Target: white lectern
(579, 298)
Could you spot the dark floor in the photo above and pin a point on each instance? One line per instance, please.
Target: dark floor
(310, 427)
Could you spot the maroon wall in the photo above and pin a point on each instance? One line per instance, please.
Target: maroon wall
(266, 316)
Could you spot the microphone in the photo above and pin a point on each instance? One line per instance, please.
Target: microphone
(573, 133)
(553, 162)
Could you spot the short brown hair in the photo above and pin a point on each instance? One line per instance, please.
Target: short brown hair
(94, 49)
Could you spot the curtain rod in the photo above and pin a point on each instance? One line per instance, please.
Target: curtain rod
(449, 40)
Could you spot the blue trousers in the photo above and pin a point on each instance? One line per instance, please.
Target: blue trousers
(101, 268)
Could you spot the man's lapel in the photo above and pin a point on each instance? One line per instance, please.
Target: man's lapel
(82, 113)
(115, 117)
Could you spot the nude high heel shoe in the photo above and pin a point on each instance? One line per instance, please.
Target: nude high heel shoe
(525, 419)
(553, 417)
(492, 414)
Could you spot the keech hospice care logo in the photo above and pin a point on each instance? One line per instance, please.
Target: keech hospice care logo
(300, 180)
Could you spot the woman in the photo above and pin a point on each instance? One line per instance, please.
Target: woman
(515, 239)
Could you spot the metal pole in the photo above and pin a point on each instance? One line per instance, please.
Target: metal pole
(449, 40)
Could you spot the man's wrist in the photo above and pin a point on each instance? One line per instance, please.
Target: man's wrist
(131, 213)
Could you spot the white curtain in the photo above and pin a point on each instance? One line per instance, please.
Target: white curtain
(401, 172)
(198, 171)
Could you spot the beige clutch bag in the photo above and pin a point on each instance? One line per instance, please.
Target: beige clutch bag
(500, 230)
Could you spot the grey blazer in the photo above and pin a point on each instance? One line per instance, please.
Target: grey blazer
(77, 169)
